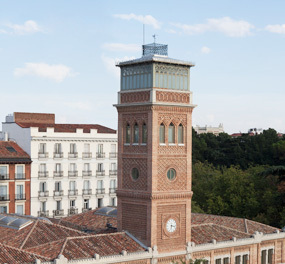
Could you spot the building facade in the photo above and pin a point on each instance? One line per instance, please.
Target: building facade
(209, 129)
(74, 167)
(15, 179)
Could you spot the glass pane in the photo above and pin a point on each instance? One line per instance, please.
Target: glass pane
(180, 134)
(136, 133)
(162, 134)
(3, 170)
(226, 261)
(128, 133)
(171, 133)
(20, 209)
(171, 174)
(237, 260)
(135, 174)
(263, 257)
(144, 134)
(270, 253)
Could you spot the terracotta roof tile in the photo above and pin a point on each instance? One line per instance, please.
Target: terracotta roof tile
(68, 128)
(88, 246)
(10, 150)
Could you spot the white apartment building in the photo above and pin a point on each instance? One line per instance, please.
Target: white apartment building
(74, 167)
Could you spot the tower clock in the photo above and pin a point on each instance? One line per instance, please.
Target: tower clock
(154, 140)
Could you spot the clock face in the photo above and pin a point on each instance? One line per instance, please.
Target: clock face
(171, 225)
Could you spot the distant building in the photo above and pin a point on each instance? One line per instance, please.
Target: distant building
(209, 129)
(74, 166)
(15, 179)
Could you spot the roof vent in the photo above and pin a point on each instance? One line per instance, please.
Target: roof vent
(107, 211)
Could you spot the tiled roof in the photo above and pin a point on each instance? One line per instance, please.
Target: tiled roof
(38, 233)
(239, 224)
(68, 128)
(88, 246)
(11, 255)
(10, 151)
(88, 220)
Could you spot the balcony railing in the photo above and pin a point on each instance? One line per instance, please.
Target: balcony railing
(72, 155)
(72, 211)
(58, 212)
(100, 191)
(113, 155)
(72, 192)
(4, 177)
(43, 155)
(58, 155)
(20, 196)
(43, 174)
(43, 213)
(43, 193)
(112, 190)
(20, 176)
(112, 172)
(86, 209)
(100, 155)
(58, 193)
(87, 191)
(4, 197)
(86, 155)
(86, 173)
(100, 173)
(72, 174)
(58, 174)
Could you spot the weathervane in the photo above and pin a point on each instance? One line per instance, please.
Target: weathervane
(154, 37)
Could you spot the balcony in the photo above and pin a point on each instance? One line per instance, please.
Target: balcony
(100, 173)
(72, 155)
(113, 172)
(4, 177)
(43, 155)
(86, 155)
(20, 196)
(43, 213)
(86, 173)
(58, 193)
(58, 174)
(4, 197)
(43, 194)
(86, 191)
(86, 209)
(113, 155)
(112, 190)
(43, 174)
(72, 211)
(20, 176)
(58, 212)
(100, 191)
(72, 193)
(58, 155)
(100, 155)
(72, 174)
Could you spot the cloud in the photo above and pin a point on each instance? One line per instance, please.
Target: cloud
(279, 29)
(53, 72)
(225, 25)
(110, 64)
(122, 47)
(29, 27)
(205, 50)
(147, 20)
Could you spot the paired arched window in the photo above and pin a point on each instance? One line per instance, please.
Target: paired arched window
(144, 133)
(171, 133)
(128, 133)
(162, 133)
(136, 133)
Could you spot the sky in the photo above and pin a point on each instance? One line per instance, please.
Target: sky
(59, 57)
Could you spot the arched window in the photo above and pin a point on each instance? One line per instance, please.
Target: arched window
(161, 133)
(136, 133)
(180, 134)
(128, 133)
(171, 133)
(144, 133)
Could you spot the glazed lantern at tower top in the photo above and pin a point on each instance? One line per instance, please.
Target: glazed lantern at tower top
(155, 70)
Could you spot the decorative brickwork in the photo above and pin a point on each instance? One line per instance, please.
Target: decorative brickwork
(172, 97)
(167, 118)
(131, 119)
(179, 183)
(171, 150)
(135, 97)
(135, 149)
(141, 182)
(138, 225)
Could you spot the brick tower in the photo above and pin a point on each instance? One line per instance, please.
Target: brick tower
(154, 142)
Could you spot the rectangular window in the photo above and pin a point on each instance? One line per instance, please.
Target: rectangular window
(237, 260)
(57, 148)
(113, 148)
(87, 166)
(43, 206)
(72, 185)
(57, 186)
(58, 205)
(3, 193)
(72, 203)
(42, 167)
(42, 148)
(263, 256)
(218, 261)
(161, 133)
(113, 201)
(171, 133)
(128, 133)
(73, 148)
(100, 148)
(113, 166)
(43, 186)
(100, 202)
(100, 184)
(86, 185)
(86, 204)
(100, 167)
(270, 256)
(144, 134)
(3, 209)
(86, 147)
(57, 167)
(20, 209)
(180, 134)
(226, 261)
(72, 167)
(3, 172)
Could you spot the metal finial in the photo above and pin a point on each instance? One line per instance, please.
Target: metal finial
(154, 37)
